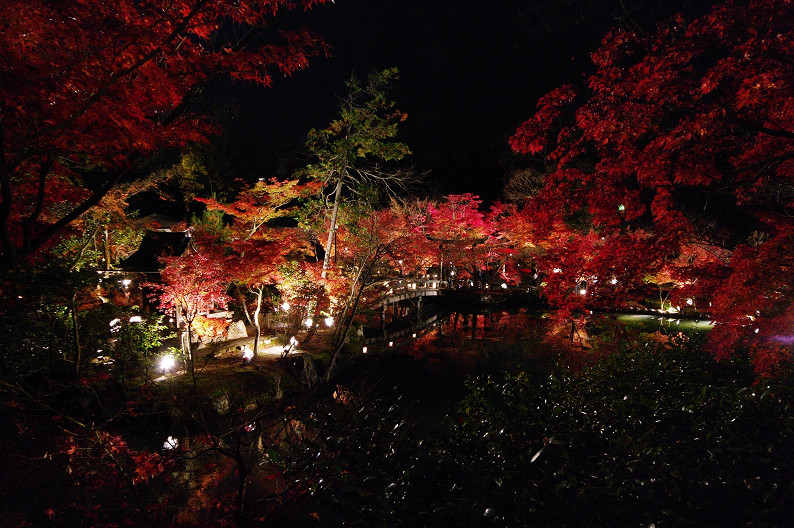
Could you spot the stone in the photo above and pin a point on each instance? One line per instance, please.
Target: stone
(309, 375)
(236, 330)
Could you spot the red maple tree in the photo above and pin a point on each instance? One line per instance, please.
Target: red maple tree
(253, 251)
(89, 87)
(192, 284)
(681, 140)
(460, 231)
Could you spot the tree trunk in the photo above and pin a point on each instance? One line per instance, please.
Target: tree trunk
(315, 319)
(106, 245)
(348, 304)
(348, 323)
(244, 303)
(189, 352)
(76, 330)
(332, 228)
(257, 329)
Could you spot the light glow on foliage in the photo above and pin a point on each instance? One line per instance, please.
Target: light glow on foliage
(329, 321)
(167, 362)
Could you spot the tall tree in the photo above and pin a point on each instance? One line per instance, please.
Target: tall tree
(351, 150)
(374, 243)
(191, 284)
(89, 87)
(253, 249)
(468, 242)
(683, 139)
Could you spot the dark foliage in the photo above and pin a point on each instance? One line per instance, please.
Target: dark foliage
(650, 436)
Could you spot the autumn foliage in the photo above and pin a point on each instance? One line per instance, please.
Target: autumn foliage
(679, 149)
(88, 88)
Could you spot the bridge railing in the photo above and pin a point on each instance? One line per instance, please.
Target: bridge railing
(406, 284)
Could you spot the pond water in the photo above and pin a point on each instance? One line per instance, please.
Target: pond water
(467, 331)
(652, 323)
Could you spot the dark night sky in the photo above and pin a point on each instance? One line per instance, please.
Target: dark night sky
(470, 73)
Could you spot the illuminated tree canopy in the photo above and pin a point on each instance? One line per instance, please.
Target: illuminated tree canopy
(682, 142)
(89, 88)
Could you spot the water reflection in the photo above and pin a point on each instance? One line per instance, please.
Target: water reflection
(470, 331)
(652, 323)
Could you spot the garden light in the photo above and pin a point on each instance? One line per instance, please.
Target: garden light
(170, 443)
(248, 353)
(167, 363)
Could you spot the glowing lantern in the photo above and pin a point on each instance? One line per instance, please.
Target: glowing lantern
(167, 362)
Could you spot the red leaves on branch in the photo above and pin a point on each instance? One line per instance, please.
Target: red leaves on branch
(191, 284)
(683, 141)
(532, 135)
(89, 84)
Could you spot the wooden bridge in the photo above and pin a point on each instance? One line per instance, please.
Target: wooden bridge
(403, 289)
